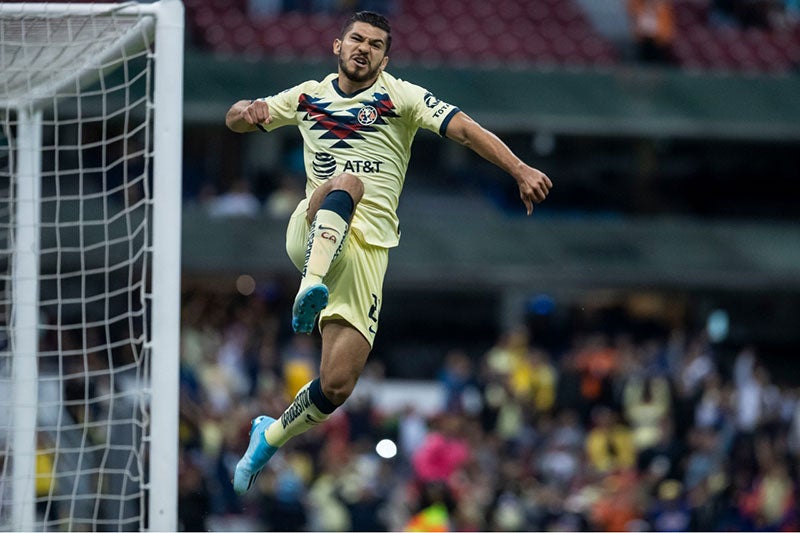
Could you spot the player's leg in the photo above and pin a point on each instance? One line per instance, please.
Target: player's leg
(330, 209)
(349, 325)
(347, 182)
(309, 408)
(348, 328)
(344, 354)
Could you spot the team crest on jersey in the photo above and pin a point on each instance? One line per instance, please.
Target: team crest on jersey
(367, 116)
(347, 125)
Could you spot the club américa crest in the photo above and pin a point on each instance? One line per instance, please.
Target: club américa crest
(367, 115)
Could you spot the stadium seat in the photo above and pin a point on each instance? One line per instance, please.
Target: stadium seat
(700, 45)
(512, 32)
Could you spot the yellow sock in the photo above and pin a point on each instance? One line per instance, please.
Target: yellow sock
(299, 417)
(325, 240)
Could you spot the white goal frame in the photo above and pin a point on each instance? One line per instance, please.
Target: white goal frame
(166, 212)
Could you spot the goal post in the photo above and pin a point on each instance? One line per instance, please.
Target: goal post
(25, 303)
(90, 203)
(163, 506)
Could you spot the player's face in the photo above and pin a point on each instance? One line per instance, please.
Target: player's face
(362, 52)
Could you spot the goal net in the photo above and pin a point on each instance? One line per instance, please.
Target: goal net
(90, 144)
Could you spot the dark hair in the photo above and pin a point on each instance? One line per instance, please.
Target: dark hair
(373, 19)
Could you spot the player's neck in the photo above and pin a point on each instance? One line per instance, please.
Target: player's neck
(348, 86)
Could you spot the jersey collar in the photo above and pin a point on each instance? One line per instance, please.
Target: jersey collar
(343, 94)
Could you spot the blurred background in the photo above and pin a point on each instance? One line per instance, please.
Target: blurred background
(623, 360)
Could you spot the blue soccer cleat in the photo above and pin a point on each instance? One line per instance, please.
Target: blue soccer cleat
(307, 305)
(256, 456)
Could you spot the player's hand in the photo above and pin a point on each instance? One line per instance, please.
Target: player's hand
(256, 112)
(534, 186)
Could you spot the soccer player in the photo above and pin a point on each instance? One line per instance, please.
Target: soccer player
(357, 126)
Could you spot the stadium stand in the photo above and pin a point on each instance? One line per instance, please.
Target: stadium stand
(705, 45)
(625, 427)
(549, 32)
(505, 33)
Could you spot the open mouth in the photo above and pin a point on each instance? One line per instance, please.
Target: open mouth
(361, 60)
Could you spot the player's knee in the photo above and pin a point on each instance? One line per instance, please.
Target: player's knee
(338, 388)
(350, 183)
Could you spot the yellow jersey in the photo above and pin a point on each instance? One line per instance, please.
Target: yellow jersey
(367, 133)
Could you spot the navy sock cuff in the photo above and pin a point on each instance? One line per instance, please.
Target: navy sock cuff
(340, 202)
(319, 399)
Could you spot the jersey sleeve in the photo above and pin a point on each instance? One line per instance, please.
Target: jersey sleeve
(283, 106)
(427, 111)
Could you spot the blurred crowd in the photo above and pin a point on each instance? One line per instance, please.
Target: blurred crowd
(617, 432)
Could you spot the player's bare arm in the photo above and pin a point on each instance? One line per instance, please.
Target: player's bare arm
(533, 184)
(243, 116)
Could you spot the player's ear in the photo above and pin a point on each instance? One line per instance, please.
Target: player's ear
(384, 62)
(337, 46)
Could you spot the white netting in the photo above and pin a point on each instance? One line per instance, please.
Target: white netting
(90, 75)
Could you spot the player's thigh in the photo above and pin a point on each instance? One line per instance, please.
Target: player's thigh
(344, 354)
(297, 238)
(355, 282)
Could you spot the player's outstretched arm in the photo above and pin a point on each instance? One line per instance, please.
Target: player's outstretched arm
(244, 115)
(533, 184)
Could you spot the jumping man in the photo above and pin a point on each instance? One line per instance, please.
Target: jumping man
(357, 126)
